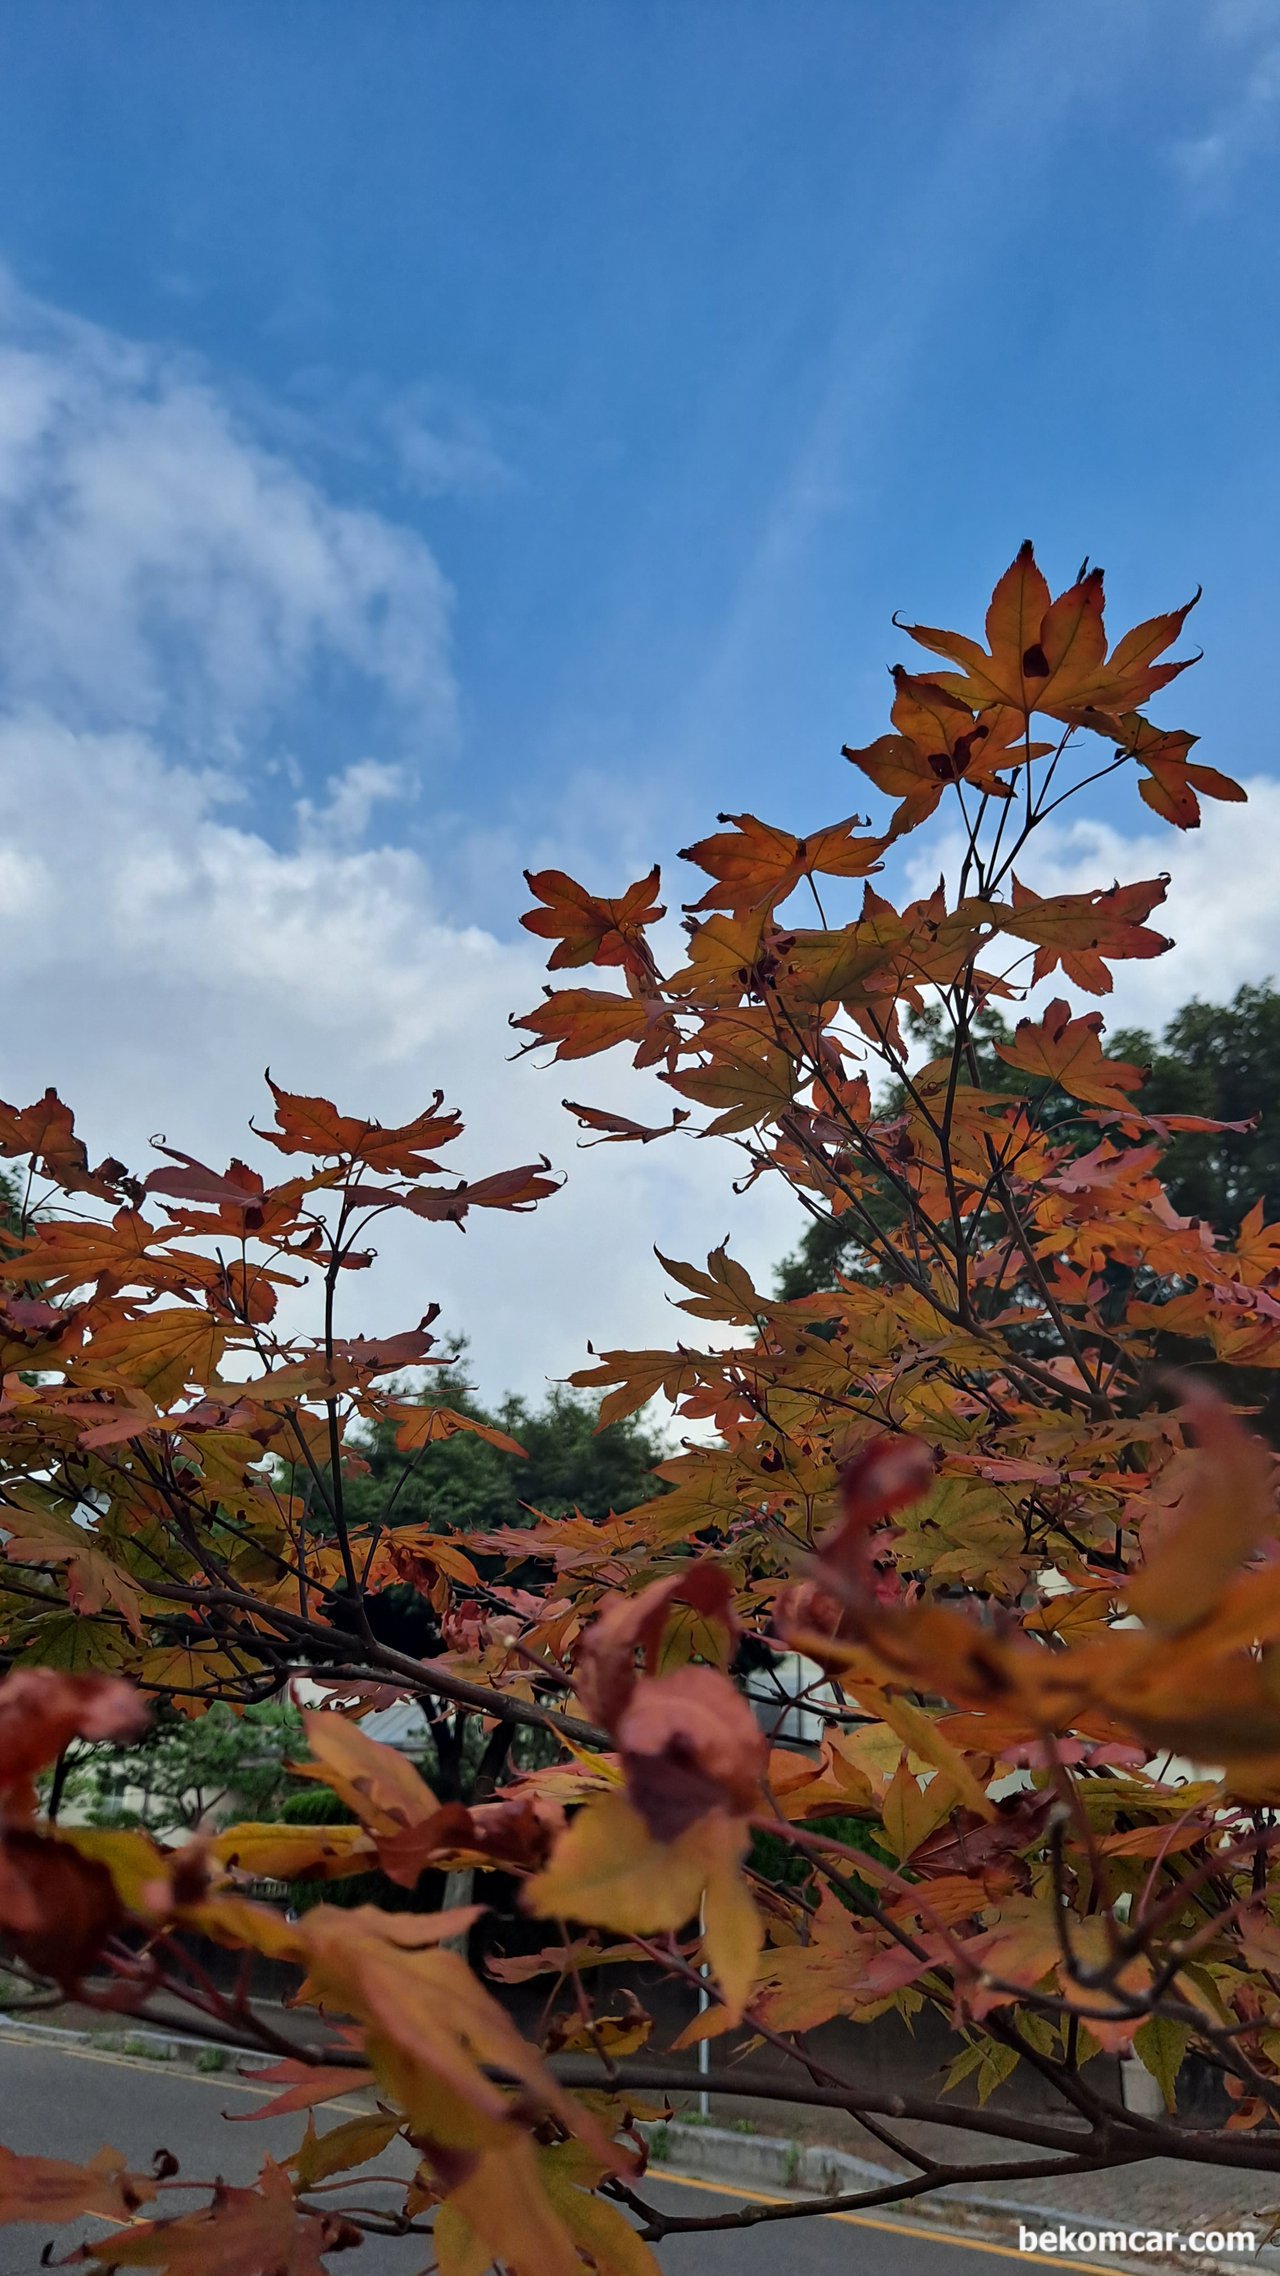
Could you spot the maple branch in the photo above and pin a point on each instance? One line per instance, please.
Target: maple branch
(418, 1675)
(889, 2193)
(1130, 2135)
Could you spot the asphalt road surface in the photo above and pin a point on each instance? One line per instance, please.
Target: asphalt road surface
(58, 2101)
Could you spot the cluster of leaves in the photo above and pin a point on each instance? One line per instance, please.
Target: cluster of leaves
(1217, 1063)
(1043, 1601)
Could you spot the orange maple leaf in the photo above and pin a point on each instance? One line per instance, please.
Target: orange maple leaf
(590, 930)
(1066, 1051)
(1051, 655)
(755, 866)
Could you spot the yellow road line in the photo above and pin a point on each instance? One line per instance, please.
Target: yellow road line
(894, 2228)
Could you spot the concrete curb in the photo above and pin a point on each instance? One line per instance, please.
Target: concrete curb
(153, 2046)
(772, 2164)
(759, 2161)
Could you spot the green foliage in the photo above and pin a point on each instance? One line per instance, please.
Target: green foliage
(313, 1805)
(1221, 1060)
(779, 1861)
(464, 1485)
(216, 1765)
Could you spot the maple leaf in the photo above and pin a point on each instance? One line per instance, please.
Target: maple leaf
(423, 1425)
(1066, 1051)
(1077, 930)
(1174, 783)
(342, 2148)
(598, 2228)
(415, 1550)
(497, 2209)
(304, 2086)
(609, 1871)
(1021, 1949)
(243, 2232)
(398, 1810)
(620, 1127)
(693, 1756)
(593, 931)
(127, 1250)
(46, 1132)
(1228, 1506)
(606, 1673)
(754, 866)
(839, 1970)
(314, 1126)
(1051, 655)
(57, 1908)
(41, 1711)
(384, 1790)
(239, 1188)
(725, 1291)
(582, 1021)
(52, 2189)
(508, 1189)
(911, 1812)
(888, 1474)
(38, 1535)
(516, 1832)
(164, 1351)
(295, 1853)
(689, 1744)
(749, 1080)
(940, 741)
(411, 1348)
(638, 1376)
(434, 2035)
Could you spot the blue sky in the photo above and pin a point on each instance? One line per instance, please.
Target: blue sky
(439, 437)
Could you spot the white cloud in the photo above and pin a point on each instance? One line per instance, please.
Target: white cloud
(159, 954)
(344, 816)
(442, 448)
(160, 567)
(1222, 910)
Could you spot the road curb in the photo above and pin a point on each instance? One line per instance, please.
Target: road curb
(759, 2161)
(154, 2046)
(769, 2162)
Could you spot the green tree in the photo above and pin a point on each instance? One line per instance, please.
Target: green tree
(1223, 1061)
(466, 1485)
(189, 1771)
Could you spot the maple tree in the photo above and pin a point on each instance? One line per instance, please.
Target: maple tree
(1041, 1589)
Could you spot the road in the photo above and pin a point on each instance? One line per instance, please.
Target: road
(59, 2101)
